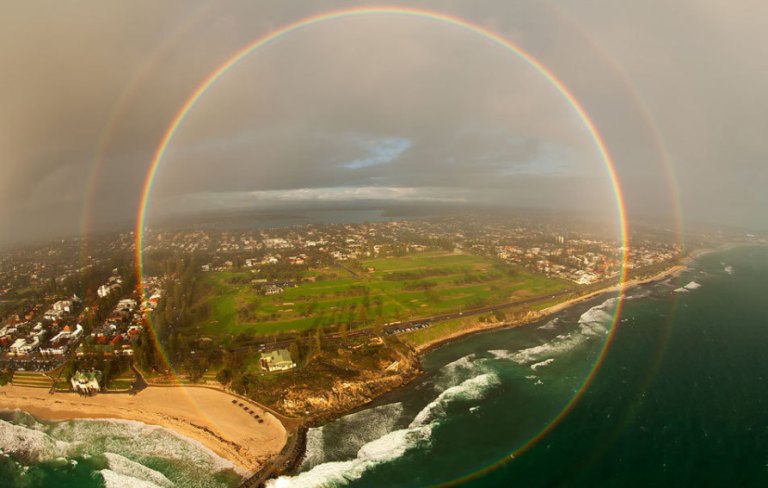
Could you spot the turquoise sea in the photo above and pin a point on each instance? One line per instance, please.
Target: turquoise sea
(680, 400)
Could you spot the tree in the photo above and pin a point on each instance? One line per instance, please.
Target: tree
(318, 341)
(195, 369)
(378, 326)
(145, 350)
(224, 376)
(343, 330)
(295, 351)
(233, 360)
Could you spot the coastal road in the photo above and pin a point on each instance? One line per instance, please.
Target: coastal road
(402, 326)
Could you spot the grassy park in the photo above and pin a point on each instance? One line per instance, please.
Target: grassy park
(376, 291)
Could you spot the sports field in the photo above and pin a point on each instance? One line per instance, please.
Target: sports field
(380, 291)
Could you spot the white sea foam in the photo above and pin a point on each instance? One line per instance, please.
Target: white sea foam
(639, 294)
(386, 448)
(358, 428)
(458, 371)
(689, 287)
(592, 323)
(313, 452)
(30, 444)
(596, 320)
(501, 354)
(470, 389)
(150, 440)
(135, 442)
(542, 364)
(551, 324)
(465, 363)
(124, 466)
(117, 480)
(391, 445)
(557, 346)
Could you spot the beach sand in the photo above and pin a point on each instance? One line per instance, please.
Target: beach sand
(206, 415)
(667, 273)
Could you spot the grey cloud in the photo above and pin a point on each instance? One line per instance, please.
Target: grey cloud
(479, 122)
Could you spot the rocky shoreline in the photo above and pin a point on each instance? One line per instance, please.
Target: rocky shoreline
(350, 405)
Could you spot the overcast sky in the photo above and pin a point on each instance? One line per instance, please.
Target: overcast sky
(381, 108)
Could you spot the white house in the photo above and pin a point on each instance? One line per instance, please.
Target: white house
(103, 291)
(23, 346)
(63, 306)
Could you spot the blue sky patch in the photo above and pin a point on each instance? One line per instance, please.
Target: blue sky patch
(380, 151)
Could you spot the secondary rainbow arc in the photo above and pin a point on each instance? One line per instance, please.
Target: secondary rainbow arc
(429, 15)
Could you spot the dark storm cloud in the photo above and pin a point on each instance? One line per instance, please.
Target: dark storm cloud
(379, 107)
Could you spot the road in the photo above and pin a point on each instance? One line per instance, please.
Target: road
(402, 326)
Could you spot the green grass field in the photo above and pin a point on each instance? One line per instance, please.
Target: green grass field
(32, 378)
(400, 288)
(118, 384)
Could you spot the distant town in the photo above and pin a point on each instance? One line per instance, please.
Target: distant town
(73, 300)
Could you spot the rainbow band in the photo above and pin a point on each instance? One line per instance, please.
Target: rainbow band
(495, 38)
(109, 130)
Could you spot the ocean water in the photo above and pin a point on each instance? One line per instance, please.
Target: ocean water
(99, 453)
(680, 400)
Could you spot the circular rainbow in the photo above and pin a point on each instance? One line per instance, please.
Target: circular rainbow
(433, 16)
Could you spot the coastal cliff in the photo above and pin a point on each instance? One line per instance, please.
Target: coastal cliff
(393, 369)
(338, 379)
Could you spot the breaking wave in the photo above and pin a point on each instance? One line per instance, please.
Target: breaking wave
(124, 466)
(689, 287)
(592, 323)
(358, 429)
(464, 363)
(639, 294)
(117, 480)
(501, 353)
(542, 364)
(471, 389)
(391, 445)
(29, 444)
(460, 370)
(125, 446)
(313, 451)
(596, 320)
(550, 325)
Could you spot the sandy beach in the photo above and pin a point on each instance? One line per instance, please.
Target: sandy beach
(208, 415)
(203, 414)
(629, 284)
